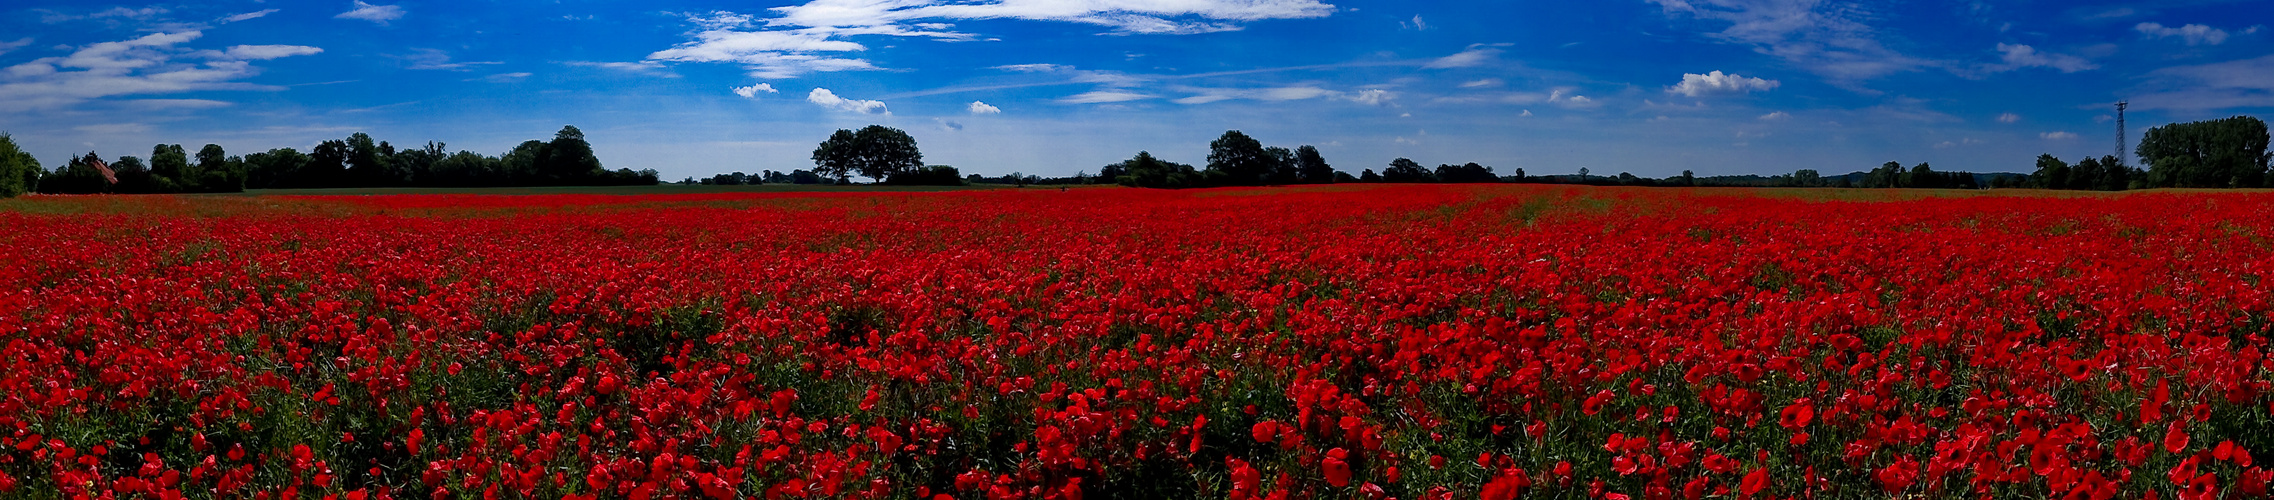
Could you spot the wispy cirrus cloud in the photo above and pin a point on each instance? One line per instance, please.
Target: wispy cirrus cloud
(2193, 34)
(248, 16)
(2232, 84)
(437, 59)
(143, 65)
(380, 14)
(1831, 39)
(814, 36)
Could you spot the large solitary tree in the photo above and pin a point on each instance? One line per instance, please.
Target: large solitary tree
(875, 152)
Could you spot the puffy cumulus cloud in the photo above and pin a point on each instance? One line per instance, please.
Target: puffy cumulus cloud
(827, 99)
(2023, 56)
(375, 13)
(1694, 85)
(982, 108)
(2009, 118)
(753, 90)
(139, 66)
(2057, 135)
(1372, 97)
(2193, 34)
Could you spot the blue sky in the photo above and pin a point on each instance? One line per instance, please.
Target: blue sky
(1052, 87)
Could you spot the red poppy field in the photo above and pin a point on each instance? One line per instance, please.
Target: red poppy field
(1412, 342)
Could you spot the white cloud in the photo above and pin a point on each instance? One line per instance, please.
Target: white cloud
(1694, 85)
(1477, 84)
(264, 52)
(902, 17)
(2057, 136)
(1475, 55)
(1104, 96)
(650, 68)
(1526, 113)
(2009, 118)
(6, 47)
(1035, 68)
(1567, 99)
(143, 14)
(140, 66)
(982, 108)
(1774, 116)
(1829, 38)
(1417, 24)
(2194, 34)
(828, 99)
(247, 16)
(176, 103)
(437, 59)
(768, 54)
(1208, 95)
(809, 37)
(753, 90)
(374, 13)
(2023, 56)
(1372, 97)
(2245, 83)
(504, 77)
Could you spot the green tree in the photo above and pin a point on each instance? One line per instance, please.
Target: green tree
(876, 152)
(19, 172)
(326, 167)
(569, 160)
(2052, 173)
(1238, 159)
(1470, 172)
(274, 168)
(1405, 170)
(2230, 152)
(1311, 167)
(519, 167)
(170, 169)
(218, 172)
(1144, 170)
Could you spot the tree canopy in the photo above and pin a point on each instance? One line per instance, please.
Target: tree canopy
(876, 152)
(2224, 153)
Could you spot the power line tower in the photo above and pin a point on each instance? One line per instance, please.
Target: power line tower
(2122, 158)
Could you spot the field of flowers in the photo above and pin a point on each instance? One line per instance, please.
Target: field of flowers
(1413, 342)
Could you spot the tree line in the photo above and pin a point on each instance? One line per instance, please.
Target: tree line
(354, 162)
